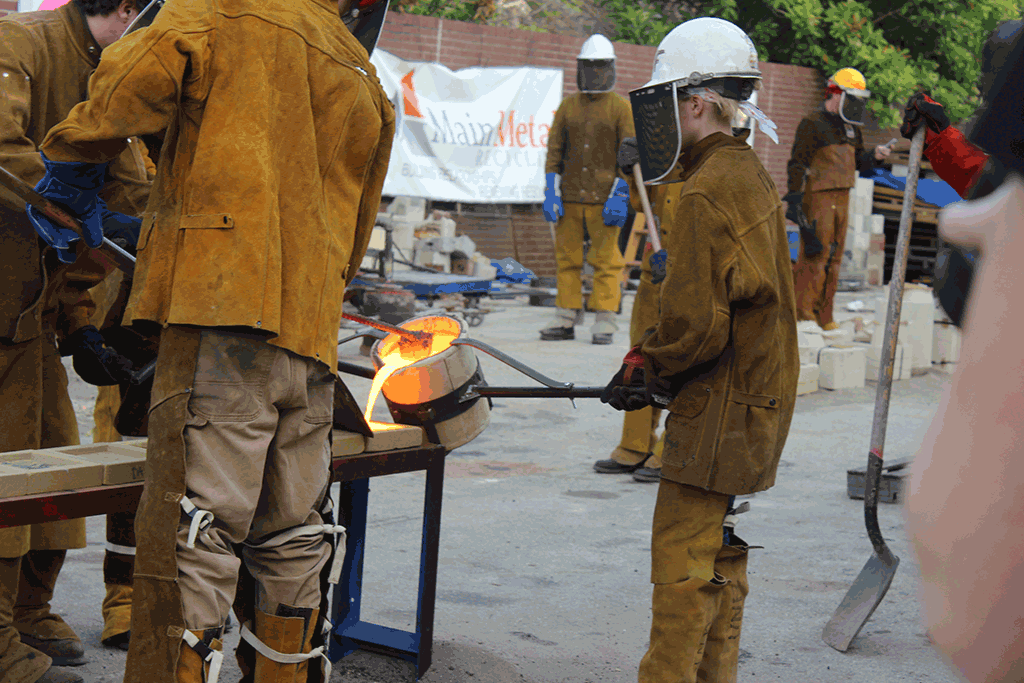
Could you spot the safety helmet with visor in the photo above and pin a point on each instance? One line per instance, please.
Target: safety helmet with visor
(697, 57)
(595, 65)
(853, 93)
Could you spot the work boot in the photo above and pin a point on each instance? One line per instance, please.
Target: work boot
(18, 662)
(117, 616)
(193, 667)
(647, 475)
(38, 627)
(285, 635)
(651, 471)
(623, 461)
(603, 328)
(722, 650)
(563, 327)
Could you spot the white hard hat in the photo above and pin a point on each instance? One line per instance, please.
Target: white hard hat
(597, 47)
(704, 49)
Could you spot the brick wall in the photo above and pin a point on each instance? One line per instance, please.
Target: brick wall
(8, 6)
(788, 94)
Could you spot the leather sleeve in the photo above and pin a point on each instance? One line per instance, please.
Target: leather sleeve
(805, 144)
(556, 141)
(18, 154)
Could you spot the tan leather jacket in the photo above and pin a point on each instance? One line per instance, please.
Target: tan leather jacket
(278, 136)
(583, 142)
(727, 329)
(827, 152)
(46, 59)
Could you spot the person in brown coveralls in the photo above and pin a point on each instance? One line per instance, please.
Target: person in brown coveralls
(723, 357)
(827, 152)
(268, 185)
(46, 59)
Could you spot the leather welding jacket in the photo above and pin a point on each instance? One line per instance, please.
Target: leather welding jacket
(583, 142)
(726, 334)
(278, 136)
(46, 59)
(828, 151)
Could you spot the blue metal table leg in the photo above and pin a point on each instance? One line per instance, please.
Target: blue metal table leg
(428, 566)
(348, 593)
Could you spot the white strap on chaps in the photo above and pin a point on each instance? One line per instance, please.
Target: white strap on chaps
(120, 549)
(284, 658)
(201, 520)
(288, 535)
(212, 657)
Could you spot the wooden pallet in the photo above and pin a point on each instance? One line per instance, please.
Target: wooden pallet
(889, 201)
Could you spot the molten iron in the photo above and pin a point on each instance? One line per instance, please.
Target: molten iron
(432, 336)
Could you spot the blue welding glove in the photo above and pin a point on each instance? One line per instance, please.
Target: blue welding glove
(553, 209)
(659, 266)
(617, 206)
(75, 186)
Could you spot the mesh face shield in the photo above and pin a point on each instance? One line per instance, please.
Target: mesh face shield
(595, 75)
(851, 108)
(365, 20)
(656, 119)
(145, 17)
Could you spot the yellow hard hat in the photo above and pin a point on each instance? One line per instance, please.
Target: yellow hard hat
(851, 81)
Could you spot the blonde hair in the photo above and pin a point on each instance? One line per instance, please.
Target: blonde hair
(725, 107)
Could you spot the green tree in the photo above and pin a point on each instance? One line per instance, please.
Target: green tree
(442, 9)
(899, 46)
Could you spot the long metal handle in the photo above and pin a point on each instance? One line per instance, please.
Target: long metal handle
(512, 363)
(888, 355)
(535, 392)
(412, 335)
(118, 256)
(652, 228)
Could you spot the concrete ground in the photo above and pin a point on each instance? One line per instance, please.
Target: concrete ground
(544, 564)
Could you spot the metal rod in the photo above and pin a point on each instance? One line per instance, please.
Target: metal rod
(512, 362)
(652, 228)
(886, 361)
(537, 392)
(120, 258)
(412, 335)
(357, 370)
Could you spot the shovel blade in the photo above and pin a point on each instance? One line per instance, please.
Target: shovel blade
(860, 602)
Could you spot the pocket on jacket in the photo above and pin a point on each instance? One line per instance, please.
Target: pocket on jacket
(691, 401)
(148, 221)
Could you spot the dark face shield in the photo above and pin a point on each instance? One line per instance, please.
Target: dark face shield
(145, 17)
(851, 108)
(365, 19)
(656, 119)
(595, 76)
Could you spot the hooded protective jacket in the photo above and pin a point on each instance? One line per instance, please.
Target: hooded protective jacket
(46, 59)
(264, 203)
(726, 334)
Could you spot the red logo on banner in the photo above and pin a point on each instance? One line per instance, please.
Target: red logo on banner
(410, 104)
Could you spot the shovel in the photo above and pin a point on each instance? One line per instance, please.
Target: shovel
(659, 258)
(874, 579)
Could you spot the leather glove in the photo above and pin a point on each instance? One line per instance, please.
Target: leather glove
(93, 360)
(616, 207)
(121, 229)
(628, 388)
(76, 187)
(627, 156)
(923, 109)
(553, 209)
(794, 206)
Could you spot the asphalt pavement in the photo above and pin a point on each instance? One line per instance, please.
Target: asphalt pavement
(544, 564)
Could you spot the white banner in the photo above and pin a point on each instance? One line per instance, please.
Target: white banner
(476, 135)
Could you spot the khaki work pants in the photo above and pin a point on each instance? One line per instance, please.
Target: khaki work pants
(35, 412)
(816, 279)
(699, 589)
(604, 256)
(257, 456)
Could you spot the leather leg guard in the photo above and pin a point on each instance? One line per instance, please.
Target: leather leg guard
(200, 658)
(39, 627)
(283, 645)
(117, 616)
(722, 651)
(683, 615)
(19, 663)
